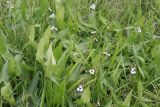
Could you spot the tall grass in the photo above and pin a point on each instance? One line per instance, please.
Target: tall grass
(68, 53)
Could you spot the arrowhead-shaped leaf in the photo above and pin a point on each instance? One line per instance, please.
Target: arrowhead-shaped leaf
(43, 45)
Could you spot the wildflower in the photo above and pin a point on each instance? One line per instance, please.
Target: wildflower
(138, 29)
(93, 6)
(98, 103)
(52, 15)
(80, 88)
(49, 9)
(133, 70)
(92, 71)
(108, 27)
(96, 40)
(54, 28)
(10, 5)
(106, 53)
(7, 2)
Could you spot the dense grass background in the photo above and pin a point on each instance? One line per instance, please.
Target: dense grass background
(42, 66)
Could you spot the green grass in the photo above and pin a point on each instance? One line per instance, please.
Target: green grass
(40, 67)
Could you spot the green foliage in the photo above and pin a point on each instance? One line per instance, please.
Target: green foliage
(3, 45)
(86, 96)
(48, 48)
(43, 45)
(7, 93)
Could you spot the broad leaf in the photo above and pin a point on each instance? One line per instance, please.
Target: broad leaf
(3, 45)
(49, 56)
(127, 100)
(140, 89)
(43, 46)
(32, 33)
(4, 76)
(86, 96)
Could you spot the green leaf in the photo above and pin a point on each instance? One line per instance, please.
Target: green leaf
(4, 73)
(32, 33)
(33, 85)
(49, 56)
(58, 52)
(73, 68)
(101, 18)
(43, 45)
(141, 59)
(86, 96)
(14, 66)
(43, 7)
(140, 21)
(136, 54)
(43, 96)
(60, 13)
(109, 104)
(54, 71)
(128, 100)
(143, 104)
(140, 89)
(92, 21)
(0, 102)
(59, 93)
(24, 8)
(113, 58)
(1, 62)
(49, 69)
(86, 25)
(3, 45)
(7, 93)
(62, 62)
(75, 72)
(96, 59)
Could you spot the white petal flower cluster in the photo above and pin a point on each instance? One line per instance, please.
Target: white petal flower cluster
(80, 88)
(133, 70)
(106, 53)
(52, 15)
(92, 71)
(93, 6)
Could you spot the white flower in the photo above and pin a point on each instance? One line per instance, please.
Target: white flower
(133, 70)
(92, 71)
(49, 9)
(52, 15)
(93, 6)
(80, 88)
(54, 28)
(93, 32)
(10, 5)
(108, 27)
(138, 29)
(107, 54)
(96, 40)
(98, 103)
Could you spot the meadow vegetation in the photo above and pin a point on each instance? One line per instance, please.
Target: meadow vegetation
(80, 53)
